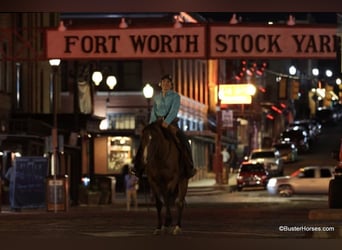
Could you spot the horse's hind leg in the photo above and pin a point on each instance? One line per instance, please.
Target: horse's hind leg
(180, 206)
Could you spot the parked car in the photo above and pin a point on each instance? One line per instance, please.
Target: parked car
(326, 116)
(251, 174)
(298, 137)
(288, 151)
(308, 126)
(271, 159)
(311, 179)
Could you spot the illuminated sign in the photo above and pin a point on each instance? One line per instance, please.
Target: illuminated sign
(236, 93)
(187, 42)
(273, 42)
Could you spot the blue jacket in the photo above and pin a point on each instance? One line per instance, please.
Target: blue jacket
(166, 106)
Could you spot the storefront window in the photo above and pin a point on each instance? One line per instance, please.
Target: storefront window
(119, 153)
(121, 121)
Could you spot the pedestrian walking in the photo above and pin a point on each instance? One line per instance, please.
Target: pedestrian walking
(132, 185)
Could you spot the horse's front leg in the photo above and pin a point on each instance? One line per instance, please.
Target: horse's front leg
(180, 207)
(168, 216)
(159, 207)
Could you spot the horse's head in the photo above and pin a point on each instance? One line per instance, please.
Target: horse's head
(157, 142)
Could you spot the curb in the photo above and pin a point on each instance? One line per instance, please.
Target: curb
(326, 215)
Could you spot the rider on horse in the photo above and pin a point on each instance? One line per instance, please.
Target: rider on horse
(165, 108)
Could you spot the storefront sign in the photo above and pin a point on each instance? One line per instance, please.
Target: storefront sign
(27, 185)
(236, 93)
(186, 42)
(273, 42)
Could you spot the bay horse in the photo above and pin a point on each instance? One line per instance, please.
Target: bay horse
(161, 160)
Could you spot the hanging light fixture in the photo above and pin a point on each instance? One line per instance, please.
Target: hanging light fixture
(61, 26)
(123, 24)
(291, 21)
(177, 24)
(97, 77)
(111, 82)
(233, 19)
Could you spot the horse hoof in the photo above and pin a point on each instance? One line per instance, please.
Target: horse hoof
(177, 230)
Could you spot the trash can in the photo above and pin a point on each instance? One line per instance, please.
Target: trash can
(57, 195)
(112, 187)
(335, 189)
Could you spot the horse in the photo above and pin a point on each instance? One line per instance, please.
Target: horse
(160, 158)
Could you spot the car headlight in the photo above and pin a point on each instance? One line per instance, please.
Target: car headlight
(272, 182)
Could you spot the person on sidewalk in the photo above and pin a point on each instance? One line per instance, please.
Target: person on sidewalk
(225, 157)
(166, 107)
(131, 184)
(233, 160)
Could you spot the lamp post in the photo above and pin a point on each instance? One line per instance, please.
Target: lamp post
(148, 94)
(218, 164)
(54, 63)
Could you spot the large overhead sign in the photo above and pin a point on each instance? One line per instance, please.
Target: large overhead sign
(273, 42)
(187, 42)
(229, 41)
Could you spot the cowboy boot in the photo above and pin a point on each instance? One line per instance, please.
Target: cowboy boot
(189, 169)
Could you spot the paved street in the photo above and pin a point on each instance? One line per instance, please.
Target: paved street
(212, 220)
(214, 216)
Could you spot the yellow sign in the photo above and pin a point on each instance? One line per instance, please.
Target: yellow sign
(236, 93)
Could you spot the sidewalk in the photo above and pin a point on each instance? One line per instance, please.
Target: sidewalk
(208, 186)
(203, 187)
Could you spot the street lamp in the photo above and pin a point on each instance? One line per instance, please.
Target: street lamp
(97, 77)
(292, 70)
(54, 63)
(111, 82)
(328, 73)
(148, 94)
(315, 72)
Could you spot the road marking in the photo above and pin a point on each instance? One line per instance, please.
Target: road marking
(120, 234)
(113, 234)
